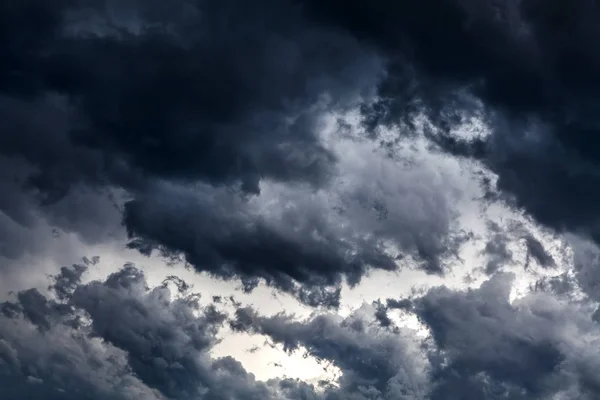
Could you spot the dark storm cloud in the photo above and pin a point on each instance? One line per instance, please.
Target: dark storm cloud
(230, 243)
(132, 341)
(166, 339)
(301, 241)
(60, 361)
(530, 69)
(46, 182)
(537, 252)
(101, 97)
(207, 117)
(497, 345)
(201, 90)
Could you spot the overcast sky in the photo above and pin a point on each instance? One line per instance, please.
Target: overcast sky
(299, 199)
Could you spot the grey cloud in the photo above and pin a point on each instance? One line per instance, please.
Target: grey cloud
(218, 233)
(482, 346)
(489, 348)
(527, 70)
(404, 304)
(585, 276)
(135, 98)
(109, 98)
(60, 363)
(536, 250)
(171, 102)
(47, 176)
(496, 249)
(163, 339)
(131, 342)
(303, 241)
(207, 118)
(374, 364)
(507, 240)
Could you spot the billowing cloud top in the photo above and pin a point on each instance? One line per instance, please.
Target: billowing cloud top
(443, 151)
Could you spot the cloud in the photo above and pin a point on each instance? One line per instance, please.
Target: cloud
(48, 185)
(509, 238)
(527, 69)
(480, 345)
(177, 120)
(233, 98)
(116, 338)
(375, 213)
(119, 338)
(204, 132)
(88, 106)
(374, 364)
(487, 346)
(496, 250)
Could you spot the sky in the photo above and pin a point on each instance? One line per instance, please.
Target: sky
(299, 199)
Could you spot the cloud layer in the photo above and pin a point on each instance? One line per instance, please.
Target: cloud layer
(119, 338)
(304, 146)
(179, 120)
(529, 69)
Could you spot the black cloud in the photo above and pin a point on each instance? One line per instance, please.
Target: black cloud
(201, 128)
(105, 101)
(199, 91)
(488, 339)
(529, 69)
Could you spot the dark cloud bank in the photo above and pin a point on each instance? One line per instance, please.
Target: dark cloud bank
(530, 69)
(172, 119)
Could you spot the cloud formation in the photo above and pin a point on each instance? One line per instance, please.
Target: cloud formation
(119, 338)
(177, 121)
(303, 144)
(116, 339)
(481, 346)
(529, 69)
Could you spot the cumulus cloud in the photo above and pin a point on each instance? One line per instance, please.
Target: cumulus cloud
(178, 120)
(119, 338)
(198, 91)
(116, 338)
(302, 144)
(373, 364)
(528, 69)
(376, 212)
(480, 345)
